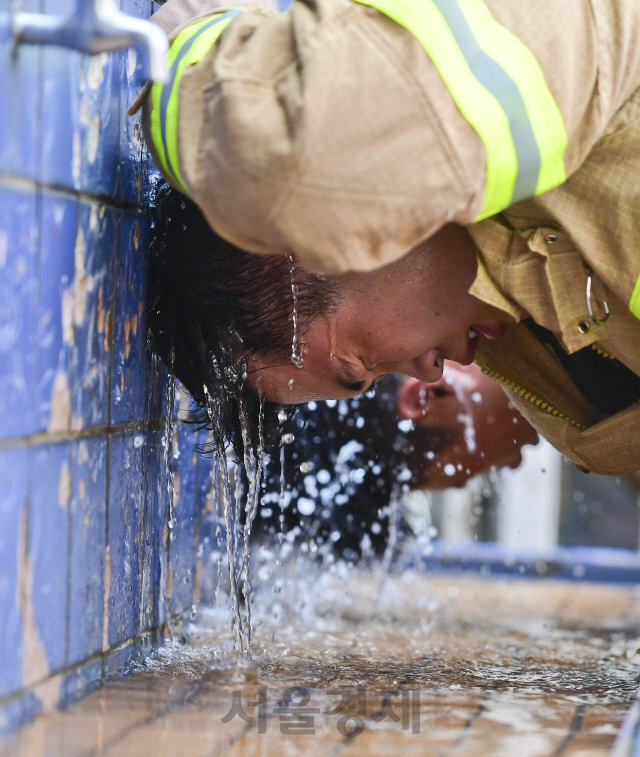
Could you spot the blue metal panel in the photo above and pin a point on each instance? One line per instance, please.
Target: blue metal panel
(93, 297)
(54, 378)
(48, 546)
(128, 382)
(13, 476)
(87, 548)
(18, 252)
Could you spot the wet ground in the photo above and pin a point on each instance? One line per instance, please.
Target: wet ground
(442, 665)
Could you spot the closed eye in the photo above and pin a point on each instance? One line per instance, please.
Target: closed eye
(355, 386)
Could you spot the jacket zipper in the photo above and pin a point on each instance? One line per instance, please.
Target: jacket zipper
(528, 395)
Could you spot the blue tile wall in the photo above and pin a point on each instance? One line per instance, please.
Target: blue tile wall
(182, 565)
(54, 335)
(18, 292)
(50, 501)
(13, 484)
(87, 538)
(89, 573)
(93, 300)
(128, 390)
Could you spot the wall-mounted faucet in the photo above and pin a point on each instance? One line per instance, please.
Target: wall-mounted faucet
(94, 26)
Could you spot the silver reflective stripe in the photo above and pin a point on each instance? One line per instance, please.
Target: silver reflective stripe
(167, 89)
(504, 89)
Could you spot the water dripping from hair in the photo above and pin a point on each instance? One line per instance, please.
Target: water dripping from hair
(296, 348)
(167, 445)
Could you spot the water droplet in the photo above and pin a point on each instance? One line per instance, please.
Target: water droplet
(282, 415)
(306, 467)
(296, 349)
(288, 438)
(449, 469)
(292, 383)
(172, 536)
(172, 523)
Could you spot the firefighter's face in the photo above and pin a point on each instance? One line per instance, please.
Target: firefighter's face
(408, 317)
(485, 428)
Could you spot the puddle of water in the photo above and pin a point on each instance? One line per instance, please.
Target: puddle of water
(448, 665)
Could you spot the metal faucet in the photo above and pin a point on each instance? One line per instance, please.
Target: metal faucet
(94, 26)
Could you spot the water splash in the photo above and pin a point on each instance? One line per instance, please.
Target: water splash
(236, 486)
(167, 445)
(296, 349)
(466, 417)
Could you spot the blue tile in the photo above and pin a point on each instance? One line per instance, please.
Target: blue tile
(18, 249)
(100, 87)
(18, 712)
(93, 296)
(153, 608)
(48, 546)
(87, 548)
(130, 360)
(81, 114)
(19, 87)
(182, 545)
(209, 525)
(136, 166)
(120, 661)
(13, 475)
(75, 686)
(55, 331)
(126, 505)
(61, 134)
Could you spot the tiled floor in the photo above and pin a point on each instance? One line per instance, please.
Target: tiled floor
(449, 666)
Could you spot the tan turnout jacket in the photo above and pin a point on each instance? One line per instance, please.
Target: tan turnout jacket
(327, 131)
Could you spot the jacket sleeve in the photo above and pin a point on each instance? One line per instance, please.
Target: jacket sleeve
(328, 133)
(318, 132)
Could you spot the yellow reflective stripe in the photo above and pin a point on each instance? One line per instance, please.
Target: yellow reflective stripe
(480, 108)
(156, 96)
(634, 302)
(190, 46)
(521, 64)
(498, 87)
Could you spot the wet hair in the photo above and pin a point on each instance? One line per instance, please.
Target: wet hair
(212, 307)
(366, 459)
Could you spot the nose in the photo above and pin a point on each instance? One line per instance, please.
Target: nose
(414, 396)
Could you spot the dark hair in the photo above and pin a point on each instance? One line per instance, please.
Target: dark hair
(365, 458)
(212, 307)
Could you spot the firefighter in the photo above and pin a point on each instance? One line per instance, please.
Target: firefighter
(348, 132)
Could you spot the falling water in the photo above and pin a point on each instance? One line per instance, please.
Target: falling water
(466, 417)
(239, 504)
(167, 444)
(296, 351)
(392, 541)
(253, 466)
